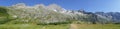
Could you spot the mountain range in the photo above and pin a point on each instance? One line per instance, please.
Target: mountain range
(41, 14)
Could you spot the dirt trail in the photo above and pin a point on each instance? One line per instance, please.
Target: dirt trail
(73, 26)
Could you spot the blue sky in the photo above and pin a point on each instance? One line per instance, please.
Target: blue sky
(88, 5)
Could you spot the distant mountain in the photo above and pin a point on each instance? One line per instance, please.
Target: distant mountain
(41, 14)
(115, 16)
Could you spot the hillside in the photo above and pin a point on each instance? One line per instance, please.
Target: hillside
(4, 15)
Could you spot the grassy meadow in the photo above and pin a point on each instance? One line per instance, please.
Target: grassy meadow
(62, 26)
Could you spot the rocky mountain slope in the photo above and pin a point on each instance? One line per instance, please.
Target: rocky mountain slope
(115, 16)
(38, 14)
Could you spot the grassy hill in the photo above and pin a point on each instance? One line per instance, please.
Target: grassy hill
(4, 16)
(3, 12)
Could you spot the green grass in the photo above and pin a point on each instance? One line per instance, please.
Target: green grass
(98, 26)
(31, 26)
(63, 26)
